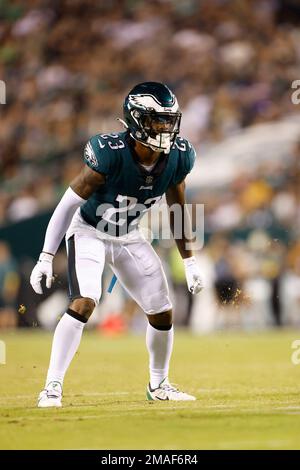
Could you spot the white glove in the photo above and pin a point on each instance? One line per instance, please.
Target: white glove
(193, 275)
(42, 268)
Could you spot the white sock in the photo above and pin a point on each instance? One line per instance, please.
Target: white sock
(159, 344)
(65, 343)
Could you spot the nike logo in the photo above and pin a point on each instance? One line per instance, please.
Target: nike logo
(100, 144)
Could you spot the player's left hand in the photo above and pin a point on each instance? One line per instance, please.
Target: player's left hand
(193, 275)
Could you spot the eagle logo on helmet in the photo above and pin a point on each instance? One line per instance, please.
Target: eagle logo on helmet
(150, 102)
(136, 101)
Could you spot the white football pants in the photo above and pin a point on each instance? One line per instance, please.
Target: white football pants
(132, 259)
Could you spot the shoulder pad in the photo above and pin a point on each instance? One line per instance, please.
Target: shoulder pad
(182, 144)
(111, 141)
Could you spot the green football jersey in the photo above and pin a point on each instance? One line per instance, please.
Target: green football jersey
(129, 190)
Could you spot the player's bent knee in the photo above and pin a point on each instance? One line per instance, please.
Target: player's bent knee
(83, 306)
(161, 321)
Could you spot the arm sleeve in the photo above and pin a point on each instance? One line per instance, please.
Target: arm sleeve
(60, 220)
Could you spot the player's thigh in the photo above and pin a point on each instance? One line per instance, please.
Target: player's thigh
(86, 259)
(139, 269)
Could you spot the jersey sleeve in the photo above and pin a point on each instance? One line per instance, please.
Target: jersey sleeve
(98, 156)
(186, 161)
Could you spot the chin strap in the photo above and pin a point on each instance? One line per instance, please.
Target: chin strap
(122, 122)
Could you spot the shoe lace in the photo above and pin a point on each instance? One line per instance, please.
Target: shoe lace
(53, 391)
(170, 388)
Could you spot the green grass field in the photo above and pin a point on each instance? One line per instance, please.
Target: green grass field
(248, 394)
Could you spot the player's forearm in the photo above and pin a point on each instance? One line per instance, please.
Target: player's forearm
(182, 233)
(192, 271)
(60, 220)
(180, 221)
(181, 248)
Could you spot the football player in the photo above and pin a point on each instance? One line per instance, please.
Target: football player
(124, 174)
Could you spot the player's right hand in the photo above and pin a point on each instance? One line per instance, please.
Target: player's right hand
(193, 275)
(42, 268)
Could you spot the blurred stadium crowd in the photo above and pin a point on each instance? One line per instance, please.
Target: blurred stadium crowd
(67, 66)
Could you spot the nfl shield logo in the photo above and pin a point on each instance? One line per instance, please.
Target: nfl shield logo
(149, 179)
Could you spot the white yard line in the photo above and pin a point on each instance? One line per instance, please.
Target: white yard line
(69, 395)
